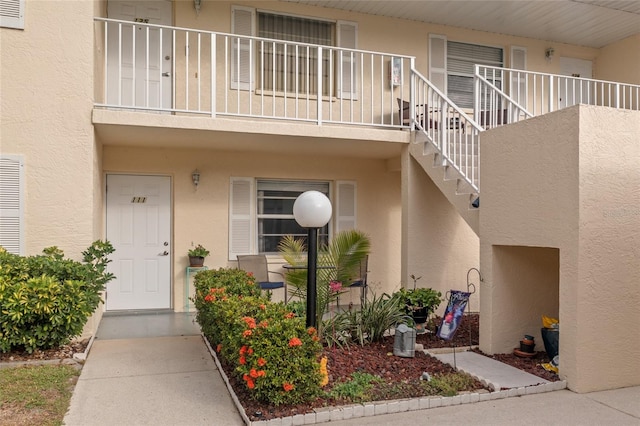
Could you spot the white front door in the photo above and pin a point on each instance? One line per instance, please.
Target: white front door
(139, 61)
(139, 227)
(573, 91)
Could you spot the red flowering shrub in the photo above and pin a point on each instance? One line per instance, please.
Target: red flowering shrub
(273, 352)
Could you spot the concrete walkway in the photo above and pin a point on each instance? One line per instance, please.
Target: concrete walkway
(620, 407)
(498, 374)
(160, 373)
(155, 369)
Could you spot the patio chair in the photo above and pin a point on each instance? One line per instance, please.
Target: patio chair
(494, 117)
(257, 265)
(405, 120)
(360, 280)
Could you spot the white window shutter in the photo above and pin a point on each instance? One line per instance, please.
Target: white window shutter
(519, 82)
(12, 203)
(438, 61)
(347, 62)
(243, 23)
(12, 14)
(241, 216)
(346, 211)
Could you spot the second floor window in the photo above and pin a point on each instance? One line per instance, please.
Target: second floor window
(291, 65)
(288, 67)
(461, 61)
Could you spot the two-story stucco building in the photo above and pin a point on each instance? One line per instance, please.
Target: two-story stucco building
(164, 124)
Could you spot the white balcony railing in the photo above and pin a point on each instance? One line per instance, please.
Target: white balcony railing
(516, 94)
(186, 71)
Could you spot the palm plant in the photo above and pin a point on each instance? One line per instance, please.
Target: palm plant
(338, 261)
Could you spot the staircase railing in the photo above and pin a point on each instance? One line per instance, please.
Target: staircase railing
(493, 107)
(448, 128)
(541, 93)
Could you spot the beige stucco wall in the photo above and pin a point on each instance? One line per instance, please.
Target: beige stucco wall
(438, 245)
(620, 61)
(201, 216)
(568, 181)
(385, 34)
(45, 110)
(47, 84)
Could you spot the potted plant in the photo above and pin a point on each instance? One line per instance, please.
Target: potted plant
(197, 255)
(419, 302)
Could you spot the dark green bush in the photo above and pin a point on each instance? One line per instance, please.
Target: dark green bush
(45, 300)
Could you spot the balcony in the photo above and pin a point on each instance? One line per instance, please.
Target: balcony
(182, 78)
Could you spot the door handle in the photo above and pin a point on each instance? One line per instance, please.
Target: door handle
(164, 253)
(166, 74)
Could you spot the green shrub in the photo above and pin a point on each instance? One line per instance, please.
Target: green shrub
(358, 389)
(46, 300)
(369, 324)
(449, 384)
(268, 346)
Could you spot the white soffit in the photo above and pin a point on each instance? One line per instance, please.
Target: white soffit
(592, 23)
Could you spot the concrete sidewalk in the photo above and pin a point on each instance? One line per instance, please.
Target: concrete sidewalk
(620, 407)
(156, 370)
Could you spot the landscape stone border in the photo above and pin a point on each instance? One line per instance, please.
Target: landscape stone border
(376, 408)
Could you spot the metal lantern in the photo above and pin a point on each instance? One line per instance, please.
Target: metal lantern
(404, 344)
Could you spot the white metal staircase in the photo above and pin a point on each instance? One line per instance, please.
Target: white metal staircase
(446, 141)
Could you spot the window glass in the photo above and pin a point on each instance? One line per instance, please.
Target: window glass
(291, 68)
(275, 200)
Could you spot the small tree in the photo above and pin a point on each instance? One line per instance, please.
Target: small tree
(338, 262)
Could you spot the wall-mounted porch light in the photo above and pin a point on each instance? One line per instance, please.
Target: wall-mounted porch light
(195, 177)
(197, 4)
(548, 54)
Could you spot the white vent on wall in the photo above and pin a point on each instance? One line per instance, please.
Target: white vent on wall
(12, 13)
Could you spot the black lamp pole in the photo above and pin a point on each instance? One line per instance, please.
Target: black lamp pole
(312, 210)
(312, 261)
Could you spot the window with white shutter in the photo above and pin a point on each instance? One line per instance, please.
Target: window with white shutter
(461, 61)
(283, 68)
(261, 212)
(12, 14)
(11, 203)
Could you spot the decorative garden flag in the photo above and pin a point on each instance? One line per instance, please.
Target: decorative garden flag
(453, 314)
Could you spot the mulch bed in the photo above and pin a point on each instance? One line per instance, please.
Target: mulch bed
(377, 359)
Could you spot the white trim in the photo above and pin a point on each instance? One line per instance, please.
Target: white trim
(353, 93)
(242, 216)
(440, 71)
(512, 54)
(12, 15)
(12, 203)
(248, 63)
(520, 93)
(346, 202)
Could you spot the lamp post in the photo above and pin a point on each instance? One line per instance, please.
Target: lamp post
(312, 210)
